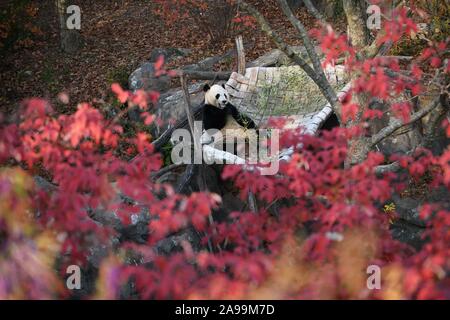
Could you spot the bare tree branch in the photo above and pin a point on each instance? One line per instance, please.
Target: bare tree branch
(164, 170)
(435, 121)
(306, 41)
(313, 11)
(188, 109)
(185, 178)
(190, 172)
(397, 123)
(392, 167)
(330, 95)
(253, 206)
(375, 48)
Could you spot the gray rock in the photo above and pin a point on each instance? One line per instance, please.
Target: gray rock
(44, 184)
(173, 243)
(441, 195)
(169, 53)
(171, 105)
(409, 227)
(408, 210)
(408, 233)
(276, 57)
(400, 142)
(270, 59)
(144, 78)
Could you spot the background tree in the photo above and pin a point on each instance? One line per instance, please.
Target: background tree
(71, 40)
(360, 54)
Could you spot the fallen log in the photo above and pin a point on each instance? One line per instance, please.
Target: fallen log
(204, 75)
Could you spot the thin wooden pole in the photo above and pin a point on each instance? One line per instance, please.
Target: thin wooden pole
(240, 55)
(198, 150)
(190, 117)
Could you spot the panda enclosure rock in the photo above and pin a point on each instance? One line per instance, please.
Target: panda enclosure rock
(408, 227)
(144, 76)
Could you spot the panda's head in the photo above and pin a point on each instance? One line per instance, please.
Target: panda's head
(216, 95)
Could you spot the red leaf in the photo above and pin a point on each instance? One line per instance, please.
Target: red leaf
(121, 94)
(159, 63)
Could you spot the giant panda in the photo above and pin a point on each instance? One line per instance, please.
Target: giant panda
(220, 114)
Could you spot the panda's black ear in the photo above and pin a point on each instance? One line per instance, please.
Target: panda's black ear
(223, 85)
(206, 87)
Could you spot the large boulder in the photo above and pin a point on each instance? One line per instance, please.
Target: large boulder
(169, 54)
(276, 58)
(144, 78)
(409, 227)
(171, 105)
(408, 138)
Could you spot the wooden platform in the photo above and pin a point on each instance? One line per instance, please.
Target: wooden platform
(286, 92)
(272, 92)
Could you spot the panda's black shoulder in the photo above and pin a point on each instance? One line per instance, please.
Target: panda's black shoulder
(213, 117)
(211, 110)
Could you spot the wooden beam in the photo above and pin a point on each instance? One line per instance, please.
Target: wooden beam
(204, 75)
(240, 54)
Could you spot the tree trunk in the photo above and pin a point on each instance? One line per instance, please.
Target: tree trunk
(71, 40)
(400, 142)
(325, 7)
(359, 37)
(355, 11)
(295, 4)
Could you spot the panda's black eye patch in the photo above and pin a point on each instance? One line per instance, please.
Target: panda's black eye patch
(217, 96)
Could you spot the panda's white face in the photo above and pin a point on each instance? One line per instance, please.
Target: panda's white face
(216, 96)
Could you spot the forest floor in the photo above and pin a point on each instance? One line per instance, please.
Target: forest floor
(118, 36)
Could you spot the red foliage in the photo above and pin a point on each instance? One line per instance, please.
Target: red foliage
(330, 224)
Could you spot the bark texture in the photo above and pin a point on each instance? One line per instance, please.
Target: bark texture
(355, 11)
(70, 39)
